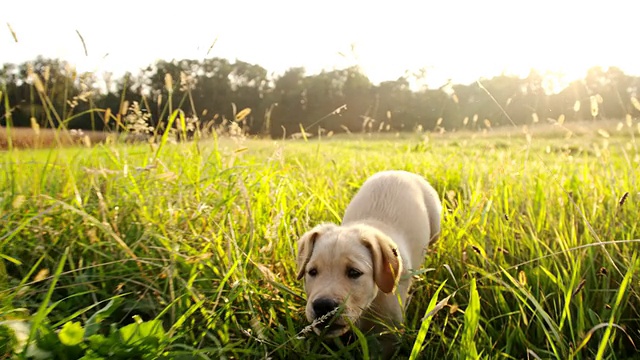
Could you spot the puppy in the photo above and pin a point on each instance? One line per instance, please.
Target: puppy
(360, 269)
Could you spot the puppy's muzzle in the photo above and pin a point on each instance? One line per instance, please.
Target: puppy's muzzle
(327, 317)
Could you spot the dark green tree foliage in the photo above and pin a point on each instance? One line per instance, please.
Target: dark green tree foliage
(291, 102)
(59, 81)
(215, 90)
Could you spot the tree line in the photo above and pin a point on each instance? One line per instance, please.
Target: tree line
(49, 92)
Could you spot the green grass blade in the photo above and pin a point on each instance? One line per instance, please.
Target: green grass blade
(432, 309)
(471, 322)
(165, 135)
(625, 286)
(40, 315)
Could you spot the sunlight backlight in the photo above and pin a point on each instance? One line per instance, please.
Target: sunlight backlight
(462, 41)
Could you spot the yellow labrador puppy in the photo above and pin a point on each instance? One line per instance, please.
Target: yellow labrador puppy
(361, 267)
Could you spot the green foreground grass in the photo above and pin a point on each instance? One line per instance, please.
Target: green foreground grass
(124, 252)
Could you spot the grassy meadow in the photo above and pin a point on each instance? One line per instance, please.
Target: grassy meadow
(187, 251)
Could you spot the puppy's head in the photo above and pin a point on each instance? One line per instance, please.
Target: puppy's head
(344, 267)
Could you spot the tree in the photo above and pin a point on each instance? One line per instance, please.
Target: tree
(50, 92)
(290, 96)
(42, 89)
(249, 86)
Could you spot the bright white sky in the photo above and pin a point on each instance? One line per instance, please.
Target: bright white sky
(462, 40)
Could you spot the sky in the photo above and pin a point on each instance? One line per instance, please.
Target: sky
(461, 40)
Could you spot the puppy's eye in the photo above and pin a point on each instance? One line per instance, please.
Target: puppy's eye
(354, 273)
(312, 272)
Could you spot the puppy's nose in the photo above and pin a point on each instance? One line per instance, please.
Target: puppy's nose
(324, 306)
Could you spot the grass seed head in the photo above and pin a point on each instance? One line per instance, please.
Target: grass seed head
(522, 278)
(13, 33)
(579, 287)
(593, 100)
(41, 275)
(604, 133)
(107, 116)
(623, 199)
(453, 308)
(168, 83)
(46, 74)
(187, 82)
(18, 201)
(35, 78)
(603, 271)
(635, 103)
(243, 114)
(35, 126)
(124, 107)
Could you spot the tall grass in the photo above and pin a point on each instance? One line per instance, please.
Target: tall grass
(538, 249)
(165, 250)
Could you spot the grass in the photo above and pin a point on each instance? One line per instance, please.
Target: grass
(107, 253)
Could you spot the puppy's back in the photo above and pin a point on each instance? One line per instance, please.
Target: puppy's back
(399, 199)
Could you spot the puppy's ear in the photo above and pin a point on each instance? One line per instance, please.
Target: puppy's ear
(387, 264)
(305, 246)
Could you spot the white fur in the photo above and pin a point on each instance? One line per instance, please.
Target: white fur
(396, 211)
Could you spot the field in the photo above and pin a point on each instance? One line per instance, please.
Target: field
(187, 250)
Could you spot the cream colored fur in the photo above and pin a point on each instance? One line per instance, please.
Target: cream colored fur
(363, 264)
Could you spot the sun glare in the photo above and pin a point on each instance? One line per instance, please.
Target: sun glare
(432, 42)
